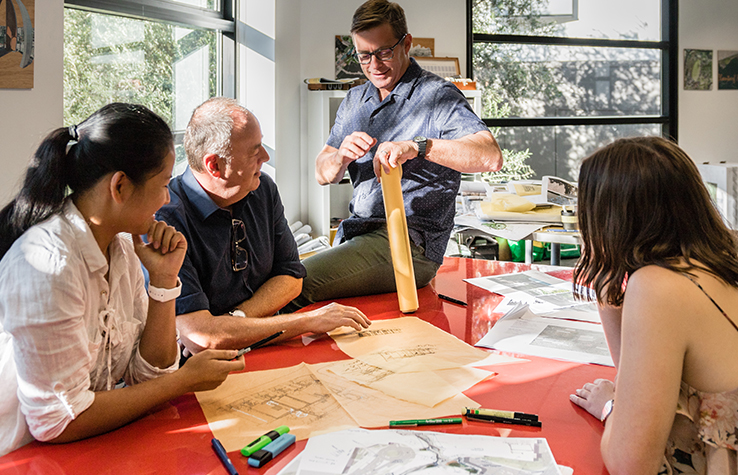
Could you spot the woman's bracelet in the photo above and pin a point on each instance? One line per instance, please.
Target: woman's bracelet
(165, 295)
(607, 410)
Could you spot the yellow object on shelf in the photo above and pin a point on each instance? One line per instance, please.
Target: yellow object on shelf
(399, 240)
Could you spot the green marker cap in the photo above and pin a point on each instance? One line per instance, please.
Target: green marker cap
(264, 440)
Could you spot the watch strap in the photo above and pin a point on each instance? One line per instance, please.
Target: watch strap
(165, 295)
(422, 145)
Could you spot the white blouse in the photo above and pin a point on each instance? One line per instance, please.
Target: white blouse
(65, 330)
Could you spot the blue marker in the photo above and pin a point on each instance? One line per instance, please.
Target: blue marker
(261, 457)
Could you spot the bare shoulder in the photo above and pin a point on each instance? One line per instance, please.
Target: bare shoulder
(660, 296)
(654, 282)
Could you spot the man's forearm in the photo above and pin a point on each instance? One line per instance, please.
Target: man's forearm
(202, 330)
(329, 169)
(274, 294)
(471, 154)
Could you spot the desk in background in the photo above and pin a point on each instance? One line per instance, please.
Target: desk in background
(556, 238)
(176, 439)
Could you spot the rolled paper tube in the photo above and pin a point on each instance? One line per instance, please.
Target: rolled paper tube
(399, 240)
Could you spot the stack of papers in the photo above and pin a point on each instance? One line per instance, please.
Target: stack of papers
(544, 319)
(380, 452)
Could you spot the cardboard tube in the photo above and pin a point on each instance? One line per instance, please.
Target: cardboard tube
(399, 240)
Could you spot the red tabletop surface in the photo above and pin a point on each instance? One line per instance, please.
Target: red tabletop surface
(176, 439)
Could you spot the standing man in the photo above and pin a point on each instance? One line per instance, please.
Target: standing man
(242, 264)
(403, 115)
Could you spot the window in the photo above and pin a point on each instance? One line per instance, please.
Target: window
(561, 78)
(168, 56)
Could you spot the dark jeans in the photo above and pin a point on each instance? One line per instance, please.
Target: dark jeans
(359, 266)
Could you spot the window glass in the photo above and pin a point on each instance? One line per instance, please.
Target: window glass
(207, 4)
(108, 58)
(567, 81)
(603, 19)
(560, 150)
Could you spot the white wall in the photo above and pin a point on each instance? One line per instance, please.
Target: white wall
(29, 114)
(708, 120)
(306, 31)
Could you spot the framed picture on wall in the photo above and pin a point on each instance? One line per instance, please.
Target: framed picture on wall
(727, 69)
(347, 66)
(444, 67)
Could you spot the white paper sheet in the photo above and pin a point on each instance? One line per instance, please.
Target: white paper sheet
(545, 295)
(521, 331)
(381, 452)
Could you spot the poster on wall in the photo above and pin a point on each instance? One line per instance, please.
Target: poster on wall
(727, 69)
(347, 66)
(697, 69)
(16, 43)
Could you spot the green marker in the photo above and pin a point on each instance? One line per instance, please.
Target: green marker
(425, 422)
(264, 440)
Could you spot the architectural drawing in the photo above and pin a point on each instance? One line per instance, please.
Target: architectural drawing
(362, 452)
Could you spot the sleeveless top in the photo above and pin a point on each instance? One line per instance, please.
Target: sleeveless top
(704, 437)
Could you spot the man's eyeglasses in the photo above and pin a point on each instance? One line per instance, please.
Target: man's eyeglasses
(239, 255)
(384, 54)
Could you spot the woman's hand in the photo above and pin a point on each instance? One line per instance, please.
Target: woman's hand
(163, 254)
(209, 368)
(593, 396)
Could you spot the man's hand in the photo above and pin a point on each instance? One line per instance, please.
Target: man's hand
(334, 315)
(391, 154)
(355, 146)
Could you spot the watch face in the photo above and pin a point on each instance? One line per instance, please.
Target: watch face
(419, 138)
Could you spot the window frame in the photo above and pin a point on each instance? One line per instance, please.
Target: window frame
(669, 72)
(222, 20)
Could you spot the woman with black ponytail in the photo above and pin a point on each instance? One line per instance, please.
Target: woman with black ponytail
(83, 348)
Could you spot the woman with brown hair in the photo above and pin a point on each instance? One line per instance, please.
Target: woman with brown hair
(664, 270)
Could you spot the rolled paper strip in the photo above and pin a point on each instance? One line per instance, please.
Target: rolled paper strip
(399, 240)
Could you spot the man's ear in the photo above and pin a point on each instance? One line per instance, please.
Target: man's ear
(121, 187)
(213, 165)
(408, 43)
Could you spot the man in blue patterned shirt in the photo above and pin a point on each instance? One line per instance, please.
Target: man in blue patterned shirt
(403, 115)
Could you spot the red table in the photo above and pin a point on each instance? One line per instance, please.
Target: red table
(176, 438)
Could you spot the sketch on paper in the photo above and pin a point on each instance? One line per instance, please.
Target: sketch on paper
(16, 44)
(522, 331)
(582, 341)
(363, 452)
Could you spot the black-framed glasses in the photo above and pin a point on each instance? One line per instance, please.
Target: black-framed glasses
(239, 255)
(384, 54)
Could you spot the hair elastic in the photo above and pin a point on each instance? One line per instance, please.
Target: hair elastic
(73, 132)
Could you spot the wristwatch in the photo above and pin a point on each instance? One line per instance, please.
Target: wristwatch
(607, 410)
(165, 295)
(422, 145)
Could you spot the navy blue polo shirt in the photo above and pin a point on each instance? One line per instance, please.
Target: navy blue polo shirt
(208, 279)
(420, 104)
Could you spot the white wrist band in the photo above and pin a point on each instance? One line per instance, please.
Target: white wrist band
(165, 295)
(607, 410)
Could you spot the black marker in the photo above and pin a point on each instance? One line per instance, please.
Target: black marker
(452, 300)
(503, 420)
(259, 343)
